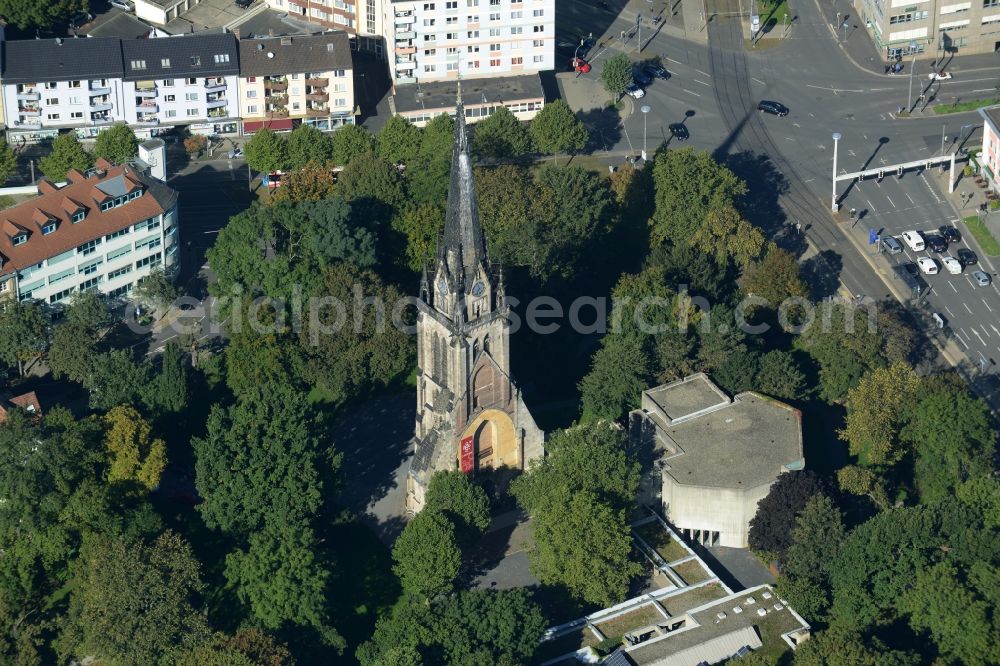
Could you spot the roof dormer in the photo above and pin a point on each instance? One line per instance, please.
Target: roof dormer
(46, 222)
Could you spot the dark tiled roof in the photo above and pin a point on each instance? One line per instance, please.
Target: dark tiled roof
(122, 25)
(182, 52)
(295, 54)
(34, 60)
(441, 95)
(59, 204)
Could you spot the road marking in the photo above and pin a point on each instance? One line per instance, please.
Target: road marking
(910, 198)
(796, 125)
(994, 329)
(983, 342)
(984, 330)
(870, 206)
(987, 305)
(948, 310)
(953, 287)
(963, 342)
(758, 81)
(691, 91)
(962, 332)
(678, 62)
(969, 309)
(706, 74)
(701, 82)
(985, 90)
(890, 201)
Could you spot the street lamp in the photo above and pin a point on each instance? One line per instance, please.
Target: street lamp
(576, 61)
(913, 64)
(645, 108)
(942, 137)
(833, 198)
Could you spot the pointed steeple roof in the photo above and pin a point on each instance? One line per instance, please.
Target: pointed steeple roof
(463, 247)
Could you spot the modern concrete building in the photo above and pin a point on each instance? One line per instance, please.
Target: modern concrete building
(419, 103)
(470, 414)
(989, 158)
(443, 40)
(301, 78)
(103, 230)
(184, 80)
(713, 457)
(350, 15)
(932, 29)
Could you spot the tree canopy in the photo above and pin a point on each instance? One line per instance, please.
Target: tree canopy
(616, 74)
(557, 130)
(771, 528)
(501, 135)
(426, 555)
(117, 144)
(266, 151)
(67, 153)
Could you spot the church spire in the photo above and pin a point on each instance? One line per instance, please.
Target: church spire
(463, 247)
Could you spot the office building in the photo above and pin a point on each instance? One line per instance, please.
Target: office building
(930, 29)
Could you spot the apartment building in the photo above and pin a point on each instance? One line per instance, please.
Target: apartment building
(932, 29)
(299, 79)
(439, 40)
(51, 84)
(989, 158)
(88, 84)
(189, 79)
(103, 230)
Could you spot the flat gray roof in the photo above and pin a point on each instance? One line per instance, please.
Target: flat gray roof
(685, 397)
(992, 114)
(441, 95)
(741, 446)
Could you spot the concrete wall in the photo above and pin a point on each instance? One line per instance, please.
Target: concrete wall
(721, 510)
(151, 12)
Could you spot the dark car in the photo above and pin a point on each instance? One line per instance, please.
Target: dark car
(967, 257)
(243, 4)
(679, 131)
(80, 20)
(641, 78)
(950, 234)
(777, 108)
(911, 268)
(936, 243)
(656, 71)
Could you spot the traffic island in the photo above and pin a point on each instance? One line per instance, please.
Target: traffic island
(987, 241)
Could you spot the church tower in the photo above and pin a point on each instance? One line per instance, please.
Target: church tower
(470, 414)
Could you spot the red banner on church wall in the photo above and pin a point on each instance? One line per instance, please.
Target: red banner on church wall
(468, 455)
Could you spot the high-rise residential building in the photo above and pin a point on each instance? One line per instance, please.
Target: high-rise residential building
(931, 29)
(103, 230)
(300, 78)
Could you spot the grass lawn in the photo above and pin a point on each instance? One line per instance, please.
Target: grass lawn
(657, 537)
(6, 201)
(691, 571)
(640, 617)
(685, 601)
(771, 628)
(971, 105)
(983, 236)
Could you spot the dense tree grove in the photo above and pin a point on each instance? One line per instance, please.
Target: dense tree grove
(188, 510)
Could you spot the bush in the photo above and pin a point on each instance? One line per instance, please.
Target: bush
(195, 145)
(608, 645)
(994, 204)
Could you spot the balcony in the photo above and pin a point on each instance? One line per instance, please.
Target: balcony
(101, 118)
(408, 19)
(100, 104)
(276, 113)
(402, 36)
(216, 103)
(407, 65)
(218, 113)
(214, 84)
(147, 120)
(28, 124)
(99, 88)
(317, 113)
(277, 99)
(406, 50)
(29, 96)
(147, 106)
(317, 96)
(275, 85)
(317, 81)
(146, 90)
(31, 112)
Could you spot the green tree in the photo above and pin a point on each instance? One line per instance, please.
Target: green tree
(850, 647)
(577, 224)
(43, 14)
(463, 502)
(335, 236)
(617, 75)
(619, 373)
(115, 379)
(728, 237)
(875, 414)
(426, 555)
(136, 455)
(133, 603)
(281, 579)
(261, 460)
(556, 129)
(117, 144)
(774, 278)
(307, 144)
(168, 392)
(421, 225)
(369, 176)
(8, 162)
(511, 207)
(73, 352)
(23, 329)
(155, 290)
(266, 151)
(777, 514)
(88, 309)
(350, 141)
(861, 481)
(312, 181)
(67, 153)
(688, 185)
(816, 538)
(983, 494)
(429, 174)
(399, 141)
(779, 375)
(247, 647)
(501, 135)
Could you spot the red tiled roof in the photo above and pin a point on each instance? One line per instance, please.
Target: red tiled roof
(27, 401)
(60, 204)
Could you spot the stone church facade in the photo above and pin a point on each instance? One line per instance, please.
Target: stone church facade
(470, 414)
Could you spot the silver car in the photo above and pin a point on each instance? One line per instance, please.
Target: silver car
(891, 245)
(982, 279)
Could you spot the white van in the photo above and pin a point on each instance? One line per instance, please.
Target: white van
(914, 240)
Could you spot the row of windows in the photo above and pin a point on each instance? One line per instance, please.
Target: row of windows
(193, 61)
(253, 109)
(48, 228)
(295, 90)
(908, 17)
(493, 16)
(453, 4)
(119, 201)
(475, 64)
(494, 32)
(537, 43)
(28, 289)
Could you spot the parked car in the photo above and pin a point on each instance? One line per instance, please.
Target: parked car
(891, 245)
(641, 78)
(952, 265)
(124, 5)
(939, 76)
(243, 4)
(950, 233)
(911, 269)
(634, 91)
(679, 131)
(776, 108)
(80, 20)
(656, 71)
(967, 257)
(913, 239)
(235, 153)
(927, 266)
(982, 279)
(936, 243)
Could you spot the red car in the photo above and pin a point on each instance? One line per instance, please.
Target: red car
(580, 65)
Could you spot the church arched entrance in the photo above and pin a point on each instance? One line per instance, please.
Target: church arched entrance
(485, 442)
(495, 442)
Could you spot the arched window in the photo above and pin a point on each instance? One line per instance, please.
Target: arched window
(436, 354)
(444, 359)
(475, 350)
(486, 343)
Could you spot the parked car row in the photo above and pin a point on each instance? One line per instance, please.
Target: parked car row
(937, 242)
(643, 76)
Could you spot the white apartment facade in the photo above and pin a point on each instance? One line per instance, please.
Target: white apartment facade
(439, 40)
(104, 230)
(931, 29)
